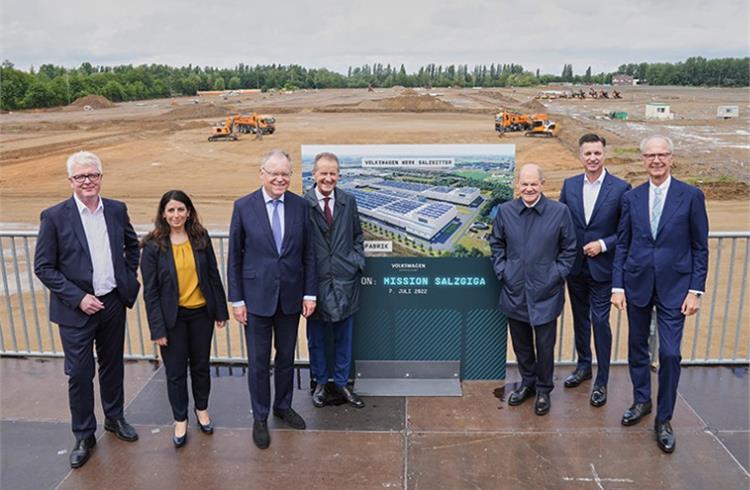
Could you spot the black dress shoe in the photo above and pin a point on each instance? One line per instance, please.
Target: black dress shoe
(181, 440)
(636, 412)
(206, 429)
(261, 437)
(542, 404)
(319, 397)
(577, 377)
(292, 418)
(351, 398)
(664, 436)
(81, 451)
(520, 395)
(122, 429)
(599, 396)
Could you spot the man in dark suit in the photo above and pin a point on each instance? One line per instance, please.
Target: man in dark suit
(594, 202)
(661, 260)
(533, 246)
(340, 256)
(271, 276)
(87, 255)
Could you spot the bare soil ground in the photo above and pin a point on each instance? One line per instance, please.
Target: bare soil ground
(151, 146)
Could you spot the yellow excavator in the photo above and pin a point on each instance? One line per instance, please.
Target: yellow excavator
(223, 131)
(542, 127)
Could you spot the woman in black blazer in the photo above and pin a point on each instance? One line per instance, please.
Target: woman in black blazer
(184, 296)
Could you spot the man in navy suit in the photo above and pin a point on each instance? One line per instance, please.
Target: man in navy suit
(272, 278)
(594, 202)
(87, 255)
(661, 260)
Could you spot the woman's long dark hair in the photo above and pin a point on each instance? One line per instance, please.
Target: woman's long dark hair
(160, 234)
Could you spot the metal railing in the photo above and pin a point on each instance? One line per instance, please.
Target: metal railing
(718, 334)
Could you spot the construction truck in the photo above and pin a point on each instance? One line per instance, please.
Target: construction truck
(255, 123)
(542, 127)
(245, 123)
(223, 130)
(530, 123)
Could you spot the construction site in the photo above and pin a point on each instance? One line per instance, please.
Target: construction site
(151, 146)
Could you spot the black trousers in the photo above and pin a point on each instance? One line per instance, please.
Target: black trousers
(188, 343)
(105, 330)
(535, 352)
(259, 332)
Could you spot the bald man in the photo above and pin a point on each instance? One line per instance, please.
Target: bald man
(533, 245)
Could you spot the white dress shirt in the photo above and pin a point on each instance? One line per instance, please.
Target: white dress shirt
(590, 195)
(95, 229)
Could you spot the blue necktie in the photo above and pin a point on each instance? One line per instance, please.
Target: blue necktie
(656, 209)
(276, 225)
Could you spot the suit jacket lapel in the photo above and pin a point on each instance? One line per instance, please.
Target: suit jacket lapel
(172, 268)
(287, 223)
(642, 212)
(112, 232)
(671, 204)
(577, 193)
(75, 219)
(603, 193)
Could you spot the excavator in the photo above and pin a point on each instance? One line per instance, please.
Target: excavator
(223, 131)
(245, 123)
(542, 127)
(532, 124)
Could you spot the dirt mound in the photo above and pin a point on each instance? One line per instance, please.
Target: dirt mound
(409, 91)
(534, 106)
(93, 101)
(408, 103)
(724, 191)
(197, 111)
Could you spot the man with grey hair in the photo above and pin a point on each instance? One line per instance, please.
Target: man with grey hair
(533, 246)
(87, 255)
(271, 278)
(661, 261)
(339, 252)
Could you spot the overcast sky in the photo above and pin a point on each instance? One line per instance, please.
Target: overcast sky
(338, 33)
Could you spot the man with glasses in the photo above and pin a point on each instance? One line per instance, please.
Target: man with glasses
(661, 261)
(87, 255)
(271, 277)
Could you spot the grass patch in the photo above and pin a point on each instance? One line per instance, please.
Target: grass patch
(625, 150)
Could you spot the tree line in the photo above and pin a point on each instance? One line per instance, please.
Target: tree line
(51, 85)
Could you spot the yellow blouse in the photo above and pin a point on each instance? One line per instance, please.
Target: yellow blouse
(187, 276)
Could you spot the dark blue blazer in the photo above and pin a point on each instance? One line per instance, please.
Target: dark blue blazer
(62, 260)
(256, 273)
(602, 225)
(673, 263)
(161, 293)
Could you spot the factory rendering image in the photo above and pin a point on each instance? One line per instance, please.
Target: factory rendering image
(421, 210)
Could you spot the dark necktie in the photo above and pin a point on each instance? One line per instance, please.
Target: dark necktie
(327, 210)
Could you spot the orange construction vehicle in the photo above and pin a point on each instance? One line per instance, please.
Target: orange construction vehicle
(514, 121)
(254, 123)
(223, 130)
(542, 127)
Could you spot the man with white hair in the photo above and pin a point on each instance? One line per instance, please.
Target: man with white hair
(533, 246)
(661, 261)
(87, 256)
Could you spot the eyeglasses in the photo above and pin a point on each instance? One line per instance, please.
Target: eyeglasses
(81, 178)
(275, 175)
(654, 156)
